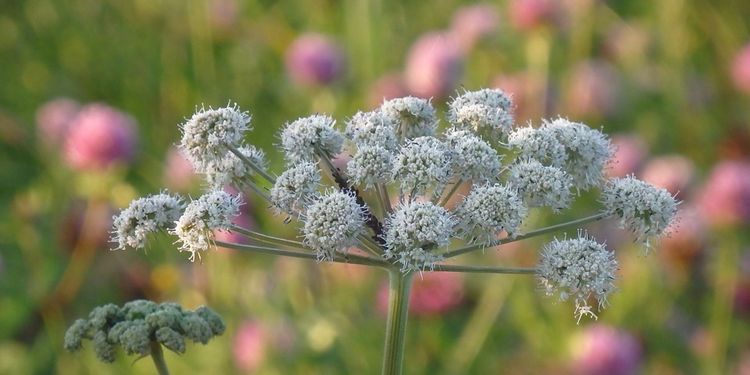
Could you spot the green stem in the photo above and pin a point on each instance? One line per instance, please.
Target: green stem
(398, 313)
(533, 233)
(484, 269)
(260, 237)
(158, 356)
(448, 196)
(250, 163)
(349, 258)
(385, 203)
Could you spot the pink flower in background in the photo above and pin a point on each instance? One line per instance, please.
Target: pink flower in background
(433, 293)
(434, 65)
(53, 120)
(741, 69)
(389, 86)
(605, 350)
(527, 14)
(527, 93)
(592, 89)
(473, 23)
(223, 15)
(630, 152)
(725, 197)
(686, 237)
(672, 172)
(249, 346)
(178, 172)
(314, 59)
(98, 137)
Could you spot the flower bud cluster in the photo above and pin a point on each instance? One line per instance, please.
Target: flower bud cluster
(423, 162)
(295, 187)
(541, 186)
(473, 158)
(138, 324)
(412, 117)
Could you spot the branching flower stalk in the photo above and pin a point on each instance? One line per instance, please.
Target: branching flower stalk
(412, 175)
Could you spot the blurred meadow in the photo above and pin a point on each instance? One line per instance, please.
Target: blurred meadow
(92, 93)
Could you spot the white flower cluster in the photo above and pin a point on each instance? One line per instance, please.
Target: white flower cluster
(295, 187)
(414, 231)
(489, 209)
(578, 268)
(580, 151)
(588, 151)
(333, 223)
(474, 159)
(231, 170)
(423, 162)
(212, 211)
(541, 186)
(486, 111)
(412, 117)
(303, 138)
(371, 165)
(144, 216)
(372, 129)
(642, 208)
(205, 135)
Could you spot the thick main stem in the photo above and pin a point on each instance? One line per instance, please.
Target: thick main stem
(398, 313)
(158, 356)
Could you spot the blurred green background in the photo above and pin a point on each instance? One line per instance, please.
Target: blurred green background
(669, 77)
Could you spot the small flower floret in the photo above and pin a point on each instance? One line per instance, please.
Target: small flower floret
(304, 138)
(333, 223)
(414, 231)
(489, 209)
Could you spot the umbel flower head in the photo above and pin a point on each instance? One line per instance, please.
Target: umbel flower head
(541, 186)
(423, 162)
(138, 324)
(414, 231)
(397, 156)
(486, 111)
(212, 211)
(333, 223)
(474, 159)
(578, 268)
(489, 209)
(303, 138)
(295, 187)
(643, 209)
(412, 117)
(207, 133)
(144, 216)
